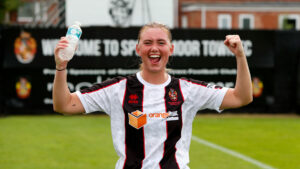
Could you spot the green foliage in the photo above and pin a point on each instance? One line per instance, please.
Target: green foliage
(7, 6)
(289, 24)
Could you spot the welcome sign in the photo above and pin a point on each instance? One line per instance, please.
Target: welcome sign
(105, 52)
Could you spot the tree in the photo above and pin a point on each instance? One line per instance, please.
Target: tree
(7, 6)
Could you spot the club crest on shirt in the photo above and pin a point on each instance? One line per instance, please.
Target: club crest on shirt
(173, 95)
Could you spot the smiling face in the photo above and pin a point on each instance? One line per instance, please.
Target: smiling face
(154, 48)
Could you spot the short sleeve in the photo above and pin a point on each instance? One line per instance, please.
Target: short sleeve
(99, 97)
(93, 102)
(206, 96)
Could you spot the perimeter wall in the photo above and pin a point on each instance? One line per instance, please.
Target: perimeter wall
(28, 68)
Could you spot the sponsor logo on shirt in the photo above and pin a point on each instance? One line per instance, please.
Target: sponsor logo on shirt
(169, 116)
(133, 99)
(173, 115)
(158, 115)
(138, 119)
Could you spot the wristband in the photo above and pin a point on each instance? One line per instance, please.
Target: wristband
(61, 69)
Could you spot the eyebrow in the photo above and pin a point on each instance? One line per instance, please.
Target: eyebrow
(154, 40)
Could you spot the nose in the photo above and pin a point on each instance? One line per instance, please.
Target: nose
(154, 49)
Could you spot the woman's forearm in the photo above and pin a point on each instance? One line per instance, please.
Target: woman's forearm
(60, 93)
(243, 86)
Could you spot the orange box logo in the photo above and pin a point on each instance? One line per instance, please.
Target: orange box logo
(137, 119)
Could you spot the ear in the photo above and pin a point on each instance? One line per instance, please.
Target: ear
(171, 49)
(137, 49)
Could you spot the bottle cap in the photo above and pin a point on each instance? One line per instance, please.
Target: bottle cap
(77, 23)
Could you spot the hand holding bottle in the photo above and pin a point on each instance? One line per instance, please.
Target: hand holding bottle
(66, 47)
(61, 64)
(73, 36)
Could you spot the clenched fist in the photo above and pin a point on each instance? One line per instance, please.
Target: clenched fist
(234, 43)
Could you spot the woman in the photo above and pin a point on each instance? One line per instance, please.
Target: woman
(151, 112)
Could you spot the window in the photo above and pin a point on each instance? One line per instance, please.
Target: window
(184, 21)
(246, 21)
(33, 11)
(26, 12)
(289, 22)
(224, 21)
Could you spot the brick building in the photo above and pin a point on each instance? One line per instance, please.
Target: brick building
(240, 14)
(206, 14)
(38, 13)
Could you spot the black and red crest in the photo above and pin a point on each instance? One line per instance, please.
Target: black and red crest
(173, 94)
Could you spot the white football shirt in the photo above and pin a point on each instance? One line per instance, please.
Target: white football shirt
(151, 124)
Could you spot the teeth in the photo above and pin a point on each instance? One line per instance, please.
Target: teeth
(154, 56)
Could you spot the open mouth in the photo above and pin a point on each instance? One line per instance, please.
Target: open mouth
(154, 59)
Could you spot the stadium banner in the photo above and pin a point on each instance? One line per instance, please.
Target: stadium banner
(105, 52)
(287, 91)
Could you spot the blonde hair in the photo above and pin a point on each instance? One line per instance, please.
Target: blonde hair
(155, 25)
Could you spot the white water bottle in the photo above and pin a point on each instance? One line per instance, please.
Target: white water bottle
(73, 35)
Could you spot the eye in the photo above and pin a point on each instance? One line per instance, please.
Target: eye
(161, 42)
(147, 42)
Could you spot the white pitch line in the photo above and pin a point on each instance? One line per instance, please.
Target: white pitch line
(233, 153)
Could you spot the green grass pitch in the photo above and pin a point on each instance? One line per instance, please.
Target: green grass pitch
(77, 142)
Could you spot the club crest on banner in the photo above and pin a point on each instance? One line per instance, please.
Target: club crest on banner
(25, 48)
(23, 88)
(121, 11)
(258, 87)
